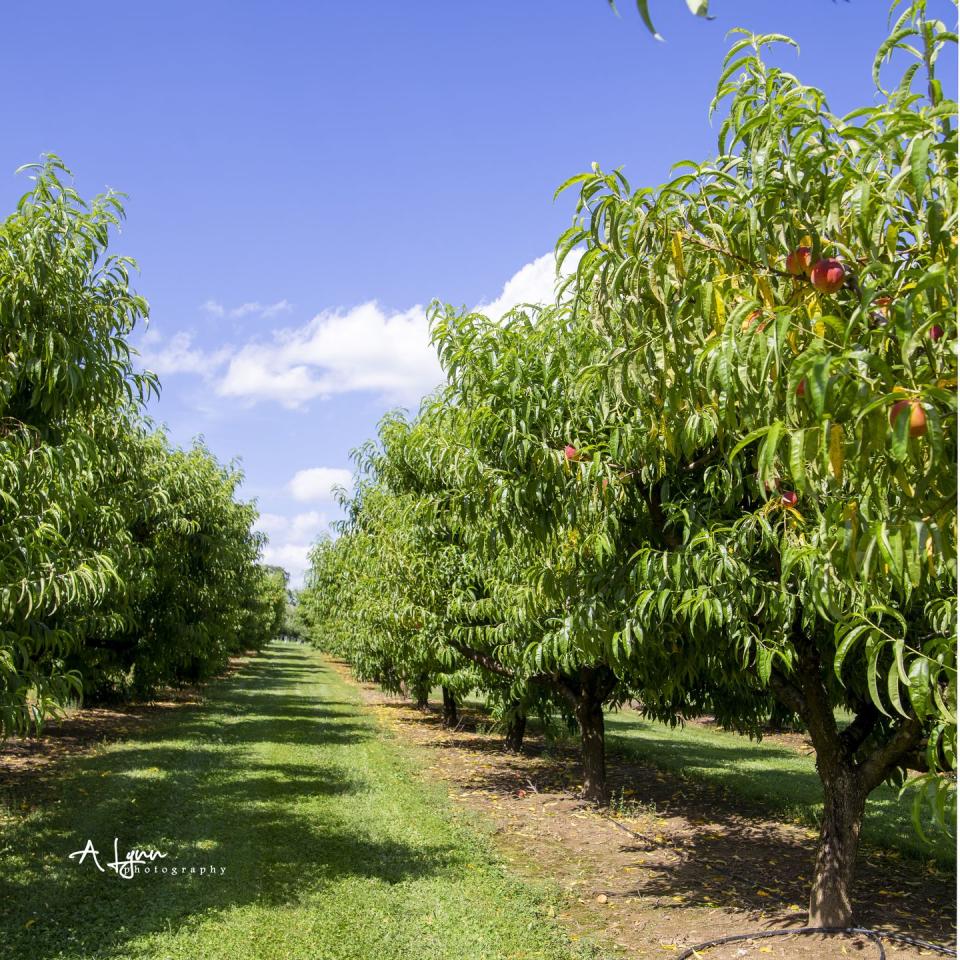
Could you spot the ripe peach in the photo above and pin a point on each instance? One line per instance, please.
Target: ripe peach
(936, 332)
(570, 452)
(827, 275)
(798, 262)
(802, 388)
(789, 498)
(918, 416)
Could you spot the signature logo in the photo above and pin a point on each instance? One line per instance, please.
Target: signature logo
(138, 861)
(125, 868)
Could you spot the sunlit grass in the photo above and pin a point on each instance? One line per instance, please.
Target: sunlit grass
(333, 848)
(768, 776)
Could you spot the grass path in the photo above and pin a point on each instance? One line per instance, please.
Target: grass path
(772, 777)
(331, 847)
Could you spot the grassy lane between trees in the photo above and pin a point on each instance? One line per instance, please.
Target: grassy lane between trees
(328, 846)
(771, 776)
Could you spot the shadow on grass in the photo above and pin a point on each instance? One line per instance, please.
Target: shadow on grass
(724, 859)
(215, 785)
(716, 848)
(771, 779)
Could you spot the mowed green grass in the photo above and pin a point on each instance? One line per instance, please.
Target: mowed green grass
(770, 777)
(759, 776)
(333, 848)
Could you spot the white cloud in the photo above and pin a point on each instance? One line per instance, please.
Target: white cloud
(179, 355)
(317, 483)
(533, 283)
(272, 524)
(289, 540)
(293, 557)
(274, 309)
(363, 348)
(265, 311)
(305, 525)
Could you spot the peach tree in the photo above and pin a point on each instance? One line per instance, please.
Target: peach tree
(123, 562)
(402, 593)
(779, 370)
(67, 383)
(556, 527)
(189, 589)
(718, 474)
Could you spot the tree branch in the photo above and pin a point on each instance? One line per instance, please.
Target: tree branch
(787, 692)
(561, 684)
(701, 461)
(735, 256)
(904, 741)
(482, 660)
(553, 680)
(659, 521)
(860, 728)
(806, 693)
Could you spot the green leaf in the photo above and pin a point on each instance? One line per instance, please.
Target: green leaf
(849, 637)
(893, 689)
(918, 687)
(643, 7)
(875, 647)
(764, 663)
(919, 154)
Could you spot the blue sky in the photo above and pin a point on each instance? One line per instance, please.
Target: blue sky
(304, 177)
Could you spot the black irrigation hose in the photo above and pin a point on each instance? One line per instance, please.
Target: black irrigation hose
(877, 936)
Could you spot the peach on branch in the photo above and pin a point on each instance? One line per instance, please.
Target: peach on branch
(936, 332)
(827, 275)
(570, 452)
(798, 262)
(918, 416)
(788, 498)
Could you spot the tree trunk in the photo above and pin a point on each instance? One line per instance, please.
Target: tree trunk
(516, 728)
(421, 691)
(844, 800)
(450, 718)
(847, 781)
(589, 713)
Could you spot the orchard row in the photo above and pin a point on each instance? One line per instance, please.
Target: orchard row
(717, 475)
(125, 564)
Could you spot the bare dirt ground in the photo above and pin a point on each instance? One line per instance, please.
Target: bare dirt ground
(674, 866)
